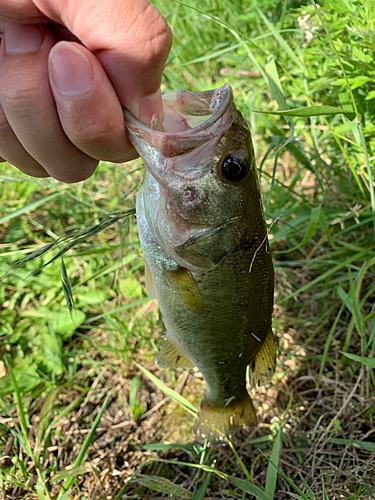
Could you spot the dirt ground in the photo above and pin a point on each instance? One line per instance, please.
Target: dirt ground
(318, 415)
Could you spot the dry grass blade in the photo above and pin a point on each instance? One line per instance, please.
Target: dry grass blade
(163, 485)
(66, 286)
(66, 243)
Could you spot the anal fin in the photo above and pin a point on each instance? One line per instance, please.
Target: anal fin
(262, 367)
(215, 421)
(170, 356)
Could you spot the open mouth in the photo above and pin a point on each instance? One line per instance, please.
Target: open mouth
(190, 120)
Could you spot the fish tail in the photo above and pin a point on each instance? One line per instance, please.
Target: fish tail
(216, 421)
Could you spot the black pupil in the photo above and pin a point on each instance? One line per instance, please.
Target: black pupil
(234, 170)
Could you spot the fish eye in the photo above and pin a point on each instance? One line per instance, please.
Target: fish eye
(233, 169)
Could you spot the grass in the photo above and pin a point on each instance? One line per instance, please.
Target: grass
(84, 413)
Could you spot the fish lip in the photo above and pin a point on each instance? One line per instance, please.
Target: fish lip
(161, 150)
(224, 96)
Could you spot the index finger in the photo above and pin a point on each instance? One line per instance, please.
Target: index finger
(21, 12)
(130, 38)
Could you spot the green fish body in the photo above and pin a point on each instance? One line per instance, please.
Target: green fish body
(203, 235)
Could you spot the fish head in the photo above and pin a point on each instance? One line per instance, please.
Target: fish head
(201, 179)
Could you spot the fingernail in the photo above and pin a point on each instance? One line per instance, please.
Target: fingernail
(70, 70)
(150, 106)
(22, 39)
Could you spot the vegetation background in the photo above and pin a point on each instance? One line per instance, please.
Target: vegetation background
(84, 413)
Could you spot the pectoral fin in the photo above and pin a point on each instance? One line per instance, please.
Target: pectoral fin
(262, 367)
(170, 356)
(149, 282)
(182, 282)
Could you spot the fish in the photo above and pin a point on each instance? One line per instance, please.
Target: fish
(205, 244)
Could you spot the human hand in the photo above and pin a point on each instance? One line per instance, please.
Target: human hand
(66, 67)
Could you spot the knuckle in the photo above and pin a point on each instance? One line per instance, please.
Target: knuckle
(160, 35)
(159, 45)
(86, 134)
(157, 39)
(19, 90)
(4, 125)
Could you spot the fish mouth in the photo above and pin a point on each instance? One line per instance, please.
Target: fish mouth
(191, 121)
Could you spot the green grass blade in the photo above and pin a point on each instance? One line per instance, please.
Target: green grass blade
(29, 207)
(370, 362)
(20, 407)
(213, 55)
(72, 472)
(325, 27)
(328, 274)
(309, 111)
(294, 486)
(313, 224)
(117, 310)
(271, 470)
(356, 311)
(164, 447)
(248, 487)
(169, 392)
(280, 40)
(200, 495)
(44, 420)
(239, 460)
(61, 414)
(41, 487)
(325, 496)
(329, 338)
(82, 452)
(369, 174)
(363, 445)
(275, 85)
(244, 485)
(309, 490)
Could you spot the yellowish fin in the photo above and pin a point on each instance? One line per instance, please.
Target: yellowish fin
(170, 356)
(215, 422)
(149, 282)
(263, 366)
(183, 283)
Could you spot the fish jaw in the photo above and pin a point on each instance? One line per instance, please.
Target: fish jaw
(195, 215)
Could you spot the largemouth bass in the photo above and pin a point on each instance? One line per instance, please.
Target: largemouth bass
(204, 239)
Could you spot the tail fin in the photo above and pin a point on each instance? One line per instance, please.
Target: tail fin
(216, 421)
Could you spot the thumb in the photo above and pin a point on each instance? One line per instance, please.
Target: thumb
(130, 38)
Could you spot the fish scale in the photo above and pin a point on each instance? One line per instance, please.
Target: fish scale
(204, 239)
